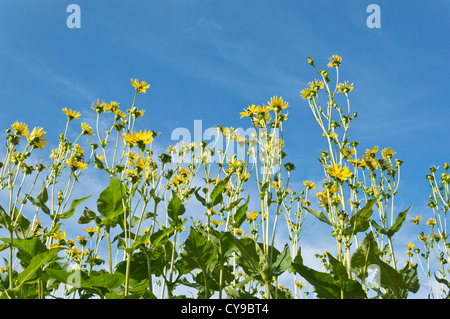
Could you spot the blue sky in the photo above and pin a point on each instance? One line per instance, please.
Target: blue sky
(207, 60)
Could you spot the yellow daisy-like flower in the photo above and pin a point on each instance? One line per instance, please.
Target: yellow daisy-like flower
(140, 87)
(345, 87)
(249, 111)
(86, 129)
(316, 85)
(309, 185)
(99, 107)
(20, 129)
(74, 164)
(410, 246)
(140, 138)
(251, 217)
(431, 222)
(278, 104)
(308, 93)
(91, 231)
(416, 220)
(335, 61)
(387, 153)
(35, 138)
(71, 114)
(339, 172)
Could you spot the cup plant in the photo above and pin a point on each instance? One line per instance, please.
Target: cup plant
(143, 239)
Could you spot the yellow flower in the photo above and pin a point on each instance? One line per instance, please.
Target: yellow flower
(387, 153)
(316, 85)
(35, 138)
(71, 114)
(249, 111)
(431, 222)
(335, 61)
(216, 222)
(99, 107)
(278, 104)
(416, 220)
(60, 238)
(251, 217)
(410, 246)
(308, 94)
(20, 129)
(140, 87)
(74, 164)
(309, 185)
(139, 139)
(91, 231)
(86, 129)
(339, 172)
(345, 87)
(299, 284)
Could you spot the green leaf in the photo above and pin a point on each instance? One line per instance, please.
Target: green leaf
(175, 210)
(368, 254)
(398, 222)
(283, 261)
(360, 220)
(87, 216)
(324, 284)
(110, 203)
(321, 216)
(30, 273)
(198, 251)
(240, 215)
(251, 257)
(5, 220)
(23, 228)
(216, 194)
(71, 211)
(29, 248)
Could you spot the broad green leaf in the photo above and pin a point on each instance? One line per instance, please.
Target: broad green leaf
(240, 215)
(251, 257)
(71, 211)
(411, 278)
(199, 198)
(87, 216)
(283, 261)
(175, 210)
(29, 248)
(360, 220)
(350, 289)
(324, 284)
(23, 228)
(367, 254)
(198, 251)
(110, 203)
(216, 194)
(30, 273)
(5, 220)
(321, 216)
(398, 222)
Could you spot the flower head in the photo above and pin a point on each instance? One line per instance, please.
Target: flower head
(71, 114)
(35, 138)
(20, 129)
(86, 129)
(335, 61)
(140, 87)
(345, 87)
(277, 104)
(339, 172)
